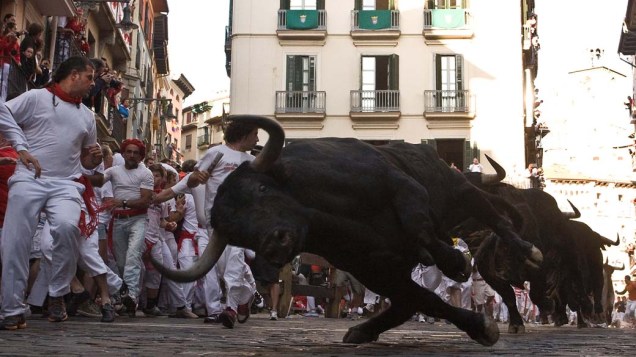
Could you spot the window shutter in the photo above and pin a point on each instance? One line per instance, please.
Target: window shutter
(290, 73)
(320, 5)
(358, 5)
(284, 4)
(438, 72)
(312, 73)
(430, 142)
(459, 72)
(394, 72)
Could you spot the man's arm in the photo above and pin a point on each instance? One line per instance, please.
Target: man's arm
(142, 202)
(164, 195)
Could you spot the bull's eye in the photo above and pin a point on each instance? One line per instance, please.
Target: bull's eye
(262, 188)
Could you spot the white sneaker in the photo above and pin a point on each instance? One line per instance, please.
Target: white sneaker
(273, 315)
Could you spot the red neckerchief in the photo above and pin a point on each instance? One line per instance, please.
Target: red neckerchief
(58, 92)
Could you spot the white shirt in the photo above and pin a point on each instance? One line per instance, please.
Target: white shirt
(198, 194)
(126, 183)
(189, 214)
(55, 135)
(229, 162)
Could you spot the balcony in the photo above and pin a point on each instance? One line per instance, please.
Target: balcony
(228, 50)
(203, 141)
(448, 104)
(376, 106)
(302, 27)
(300, 106)
(65, 46)
(375, 27)
(446, 24)
(17, 81)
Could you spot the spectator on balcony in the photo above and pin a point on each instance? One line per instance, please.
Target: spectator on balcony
(71, 30)
(475, 166)
(33, 38)
(9, 51)
(28, 64)
(94, 99)
(44, 76)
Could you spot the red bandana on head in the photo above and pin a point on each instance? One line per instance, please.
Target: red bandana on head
(138, 143)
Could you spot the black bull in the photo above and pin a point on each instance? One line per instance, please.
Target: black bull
(572, 271)
(372, 211)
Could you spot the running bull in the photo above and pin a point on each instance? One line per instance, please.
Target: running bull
(372, 211)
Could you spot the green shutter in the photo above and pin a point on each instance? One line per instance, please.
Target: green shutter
(320, 5)
(394, 72)
(430, 142)
(438, 72)
(459, 72)
(284, 4)
(358, 5)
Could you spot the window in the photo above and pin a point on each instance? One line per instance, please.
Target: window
(374, 5)
(188, 141)
(446, 4)
(300, 91)
(379, 82)
(449, 82)
(302, 4)
(301, 73)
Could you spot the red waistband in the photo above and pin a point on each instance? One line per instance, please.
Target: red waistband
(125, 213)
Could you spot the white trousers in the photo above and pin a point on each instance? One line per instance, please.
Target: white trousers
(208, 290)
(61, 200)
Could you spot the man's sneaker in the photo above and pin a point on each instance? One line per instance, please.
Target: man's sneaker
(273, 315)
(185, 314)
(212, 319)
(154, 312)
(89, 309)
(243, 313)
(108, 313)
(228, 317)
(57, 309)
(258, 300)
(13, 322)
(130, 304)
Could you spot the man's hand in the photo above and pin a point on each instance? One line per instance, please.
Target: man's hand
(95, 151)
(198, 177)
(30, 161)
(171, 226)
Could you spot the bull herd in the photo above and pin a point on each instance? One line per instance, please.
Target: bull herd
(378, 211)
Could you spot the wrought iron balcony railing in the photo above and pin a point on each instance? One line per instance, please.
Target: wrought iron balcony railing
(65, 47)
(203, 140)
(302, 20)
(375, 100)
(300, 101)
(14, 81)
(446, 19)
(448, 101)
(362, 20)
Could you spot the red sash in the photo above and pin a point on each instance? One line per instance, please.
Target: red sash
(187, 235)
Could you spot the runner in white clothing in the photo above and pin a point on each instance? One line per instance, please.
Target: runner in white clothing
(53, 126)
(240, 137)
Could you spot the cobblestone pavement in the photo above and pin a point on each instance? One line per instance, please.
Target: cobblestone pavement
(296, 336)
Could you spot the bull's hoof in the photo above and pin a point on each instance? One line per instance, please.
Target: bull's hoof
(489, 335)
(357, 336)
(516, 328)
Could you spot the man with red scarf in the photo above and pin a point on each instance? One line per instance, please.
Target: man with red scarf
(54, 135)
(133, 186)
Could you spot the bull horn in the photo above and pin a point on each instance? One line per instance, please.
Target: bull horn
(496, 178)
(273, 146)
(202, 266)
(570, 215)
(606, 241)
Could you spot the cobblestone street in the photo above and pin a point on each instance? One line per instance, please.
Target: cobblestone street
(296, 336)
